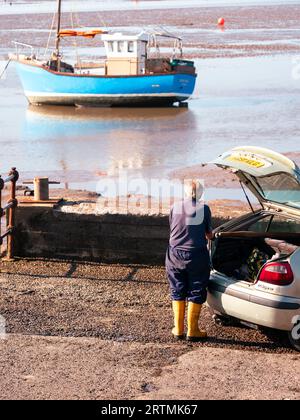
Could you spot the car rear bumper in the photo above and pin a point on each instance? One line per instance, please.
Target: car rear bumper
(270, 311)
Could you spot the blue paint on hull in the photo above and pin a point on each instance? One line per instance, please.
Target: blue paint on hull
(46, 87)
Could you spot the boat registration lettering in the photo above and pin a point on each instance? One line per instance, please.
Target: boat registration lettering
(250, 161)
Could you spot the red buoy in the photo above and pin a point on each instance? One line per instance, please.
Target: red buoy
(221, 22)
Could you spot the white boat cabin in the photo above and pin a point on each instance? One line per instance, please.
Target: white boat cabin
(126, 54)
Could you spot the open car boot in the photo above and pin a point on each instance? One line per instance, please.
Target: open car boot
(242, 255)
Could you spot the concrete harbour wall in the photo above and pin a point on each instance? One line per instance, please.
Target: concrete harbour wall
(49, 233)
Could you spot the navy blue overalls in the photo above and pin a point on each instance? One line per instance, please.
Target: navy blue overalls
(188, 261)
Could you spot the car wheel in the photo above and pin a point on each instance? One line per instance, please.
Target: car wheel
(294, 337)
(221, 321)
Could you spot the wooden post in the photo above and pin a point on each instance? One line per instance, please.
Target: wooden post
(41, 189)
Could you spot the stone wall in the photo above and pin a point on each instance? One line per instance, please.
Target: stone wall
(49, 233)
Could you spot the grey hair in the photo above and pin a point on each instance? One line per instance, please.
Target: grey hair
(193, 189)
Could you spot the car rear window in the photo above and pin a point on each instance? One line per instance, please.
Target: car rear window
(280, 188)
(281, 224)
(275, 224)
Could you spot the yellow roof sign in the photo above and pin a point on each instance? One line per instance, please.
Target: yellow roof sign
(250, 161)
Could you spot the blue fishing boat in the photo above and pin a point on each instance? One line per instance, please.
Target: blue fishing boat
(128, 76)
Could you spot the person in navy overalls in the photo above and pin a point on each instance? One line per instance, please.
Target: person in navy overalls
(188, 262)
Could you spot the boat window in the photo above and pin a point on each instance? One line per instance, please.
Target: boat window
(121, 45)
(280, 188)
(110, 46)
(130, 46)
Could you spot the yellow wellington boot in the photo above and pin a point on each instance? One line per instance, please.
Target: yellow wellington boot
(179, 313)
(194, 333)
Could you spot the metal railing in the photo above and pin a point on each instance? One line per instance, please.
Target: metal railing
(9, 211)
(25, 49)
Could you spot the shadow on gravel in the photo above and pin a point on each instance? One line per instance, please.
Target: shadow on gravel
(91, 271)
(70, 276)
(110, 302)
(72, 270)
(279, 343)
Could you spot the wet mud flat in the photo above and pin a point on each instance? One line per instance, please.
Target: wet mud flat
(249, 32)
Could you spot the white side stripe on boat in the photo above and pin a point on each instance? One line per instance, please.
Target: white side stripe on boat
(88, 95)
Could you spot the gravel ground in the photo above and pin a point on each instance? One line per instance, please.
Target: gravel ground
(100, 331)
(228, 375)
(112, 302)
(34, 367)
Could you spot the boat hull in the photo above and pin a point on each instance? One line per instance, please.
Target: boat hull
(45, 87)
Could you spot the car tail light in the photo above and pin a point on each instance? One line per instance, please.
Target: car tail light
(277, 273)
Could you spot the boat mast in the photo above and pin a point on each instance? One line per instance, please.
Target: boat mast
(58, 32)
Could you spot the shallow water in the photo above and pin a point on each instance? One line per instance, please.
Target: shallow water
(237, 101)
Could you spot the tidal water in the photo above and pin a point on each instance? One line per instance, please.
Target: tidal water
(252, 101)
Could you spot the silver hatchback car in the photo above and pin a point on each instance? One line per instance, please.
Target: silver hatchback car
(256, 258)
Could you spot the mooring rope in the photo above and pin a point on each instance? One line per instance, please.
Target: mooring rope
(50, 34)
(5, 68)
(78, 59)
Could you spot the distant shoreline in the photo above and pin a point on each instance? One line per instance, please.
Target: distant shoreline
(246, 34)
(48, 7)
